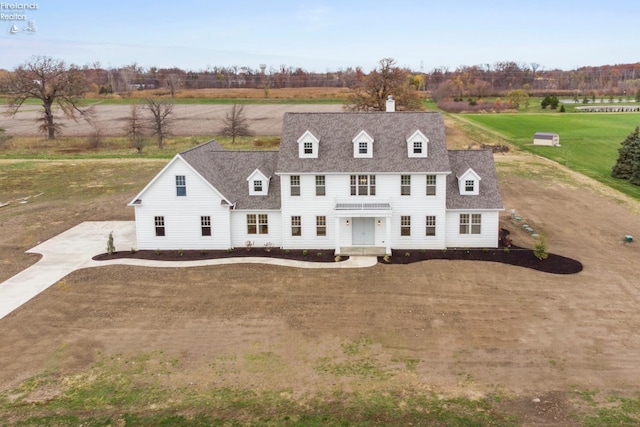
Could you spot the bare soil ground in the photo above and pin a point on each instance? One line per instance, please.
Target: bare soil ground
(188, 120)
(460, 328)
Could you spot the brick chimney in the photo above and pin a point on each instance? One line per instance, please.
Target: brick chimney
(391, 104)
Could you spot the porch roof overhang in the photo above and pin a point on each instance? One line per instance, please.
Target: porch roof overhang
(362, 209)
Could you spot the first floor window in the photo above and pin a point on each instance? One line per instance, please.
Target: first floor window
(321, 226)
(431, 185)
(405, 185)
(257, 224)
(470, 224)
(159, 223)
(405, 225)
(431, 225)
(263, 224)
(181, 185)
(296, 226)
(205, 225)
(476, 223)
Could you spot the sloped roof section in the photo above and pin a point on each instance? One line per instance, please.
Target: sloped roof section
(227, 171)
(388, 130)
(481, 161)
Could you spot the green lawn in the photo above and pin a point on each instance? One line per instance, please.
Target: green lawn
(589, 141)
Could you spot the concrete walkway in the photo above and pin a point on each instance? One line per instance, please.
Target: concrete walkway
(73, 250)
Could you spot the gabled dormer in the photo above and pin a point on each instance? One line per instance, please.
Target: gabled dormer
(417, 145)
(469, 183)
(308, 146)
(362, 145)
(258, 183)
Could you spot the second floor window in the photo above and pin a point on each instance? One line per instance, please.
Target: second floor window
(295, 185)
(431, 185)
(181, 185)
(405, 185)
(363, 185)
(320, 185)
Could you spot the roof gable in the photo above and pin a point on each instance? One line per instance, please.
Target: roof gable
(477, 164)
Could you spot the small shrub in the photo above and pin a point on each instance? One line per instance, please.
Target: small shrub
(540, 248)
(287, 251)
(407, 254)
(506, 250)
(386, 258)
(423, 251)
(268, 246)
(180, 252)
(485, 250)
(157, 252)
(133, 250)
(338, 258)
(248, 245)
(229, 250)
(319, 254)
(110, 246)
(203, 252)
(304, 252)
(444, 251)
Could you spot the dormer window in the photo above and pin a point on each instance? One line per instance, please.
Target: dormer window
(258, 183)
(362, 145)
(417, 145)
(469, 183)
(308, 146)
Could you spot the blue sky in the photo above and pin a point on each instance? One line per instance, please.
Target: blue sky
(321, 35)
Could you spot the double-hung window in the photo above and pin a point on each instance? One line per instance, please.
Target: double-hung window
(205, 225)
(405, 225)
(431, 225)
(295, 185)
(181, 185)
(431, 185)
(159, 224)
(321, 226)
(405, 185)
(363, 185)
(296, 226)
(321, 188)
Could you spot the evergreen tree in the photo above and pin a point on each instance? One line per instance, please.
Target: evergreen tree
(635, 161)
(623, 168)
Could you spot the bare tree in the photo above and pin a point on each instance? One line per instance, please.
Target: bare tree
(175, 82)
(235, 123)
(135, 128)
(90, 115)
(50, 81)
(161, 120)
(378, 85)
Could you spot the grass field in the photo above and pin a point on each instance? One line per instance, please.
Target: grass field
(589, 141)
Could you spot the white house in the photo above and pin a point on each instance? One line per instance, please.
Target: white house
(340, 180)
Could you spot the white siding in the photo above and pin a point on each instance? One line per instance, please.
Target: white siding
(239, 235)
(488, 238)
(181, 214)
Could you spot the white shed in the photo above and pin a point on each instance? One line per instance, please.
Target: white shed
(546, 138)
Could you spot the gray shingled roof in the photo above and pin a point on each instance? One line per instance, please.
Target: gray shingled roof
(228, 171)
(337, 130)
(481, 161)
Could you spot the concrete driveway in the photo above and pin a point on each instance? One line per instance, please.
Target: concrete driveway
(75, 248)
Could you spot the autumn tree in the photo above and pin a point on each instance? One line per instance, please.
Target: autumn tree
(628, 164)
(161, 120)
(50, 81)
(235, 123)
(517, 97)
(386, 80)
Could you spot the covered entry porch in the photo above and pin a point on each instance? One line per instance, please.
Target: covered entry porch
(363, 227)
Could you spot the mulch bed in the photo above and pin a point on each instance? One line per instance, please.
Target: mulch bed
(317, 255)
(521, 257)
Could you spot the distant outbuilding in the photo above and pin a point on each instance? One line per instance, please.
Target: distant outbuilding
(546, 138)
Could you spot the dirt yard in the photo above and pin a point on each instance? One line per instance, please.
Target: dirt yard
(458, 328)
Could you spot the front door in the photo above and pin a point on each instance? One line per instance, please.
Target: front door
(363, 231)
